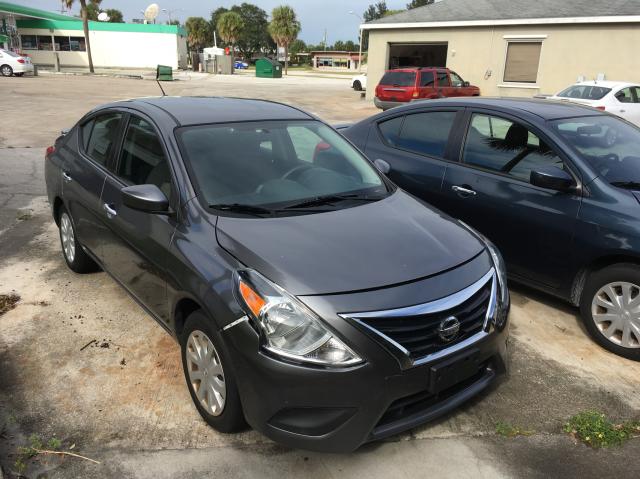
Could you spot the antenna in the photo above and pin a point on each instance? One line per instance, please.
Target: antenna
(151, 12)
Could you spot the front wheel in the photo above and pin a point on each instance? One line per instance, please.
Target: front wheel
(6, 70)
(610, 308)
(210, 376)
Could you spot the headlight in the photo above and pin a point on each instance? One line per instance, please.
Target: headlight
(501, 271)
(287, 327)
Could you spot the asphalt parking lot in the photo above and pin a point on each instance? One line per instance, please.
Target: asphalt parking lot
(81, 362)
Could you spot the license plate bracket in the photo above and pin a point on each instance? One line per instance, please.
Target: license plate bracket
(452, 371)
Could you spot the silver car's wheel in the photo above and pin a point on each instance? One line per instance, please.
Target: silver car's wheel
(206, 376)
(615, 310)
(67, 237)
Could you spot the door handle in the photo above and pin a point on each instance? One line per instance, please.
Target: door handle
(623, 111)
(462, 191)
(66, 177)
(109, 210)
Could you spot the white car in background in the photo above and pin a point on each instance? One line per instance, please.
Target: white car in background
(359, 83)
(13, 64)
(618, 98)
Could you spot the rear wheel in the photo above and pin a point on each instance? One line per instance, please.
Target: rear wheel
(6, 70)
(357, 86)
(74, 255)
(210, 376)
(610, 308)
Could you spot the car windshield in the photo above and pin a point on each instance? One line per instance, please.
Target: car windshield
(277, 164)
(609, 144)
(585, 92)
(399, 78)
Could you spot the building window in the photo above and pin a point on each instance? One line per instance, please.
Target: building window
(523, 59)
(77, 44)
(29, 42)
(61, 44)
(44, 42)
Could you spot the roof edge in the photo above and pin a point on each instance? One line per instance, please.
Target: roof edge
(505, 22)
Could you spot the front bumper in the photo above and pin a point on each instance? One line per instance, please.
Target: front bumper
(338, 410)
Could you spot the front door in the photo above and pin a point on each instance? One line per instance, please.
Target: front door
(136, 246)
(490, 190)
(83, 175)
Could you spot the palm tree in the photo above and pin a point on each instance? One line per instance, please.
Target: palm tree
(198, 33)
(230, 25)
(85, 24)
(284, 29)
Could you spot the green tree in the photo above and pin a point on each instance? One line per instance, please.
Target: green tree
(339, 46)
(418, 3)
(284, 29)
(298, 46)
(375, 11)
(229, 27)
(85, 24)
(351, 46)
(215, 15)
(115, 16)
(199, 33)
(92, 11)
(255, 36)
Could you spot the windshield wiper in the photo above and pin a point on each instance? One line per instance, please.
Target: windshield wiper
(629, 185)
(240, 208)
(330, 200)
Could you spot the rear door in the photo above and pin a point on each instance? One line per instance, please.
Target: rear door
(397, 85)
(417, 146)
(632, 108)
(427, 84)
(136, 245)
(490, 190)
(444, 84)
(84, 170)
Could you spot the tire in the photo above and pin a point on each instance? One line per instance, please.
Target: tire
(77, 260)
(227, 417)
(6, 70)
(357, 86)
(605, 290)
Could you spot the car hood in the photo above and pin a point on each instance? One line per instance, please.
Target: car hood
(395, 240)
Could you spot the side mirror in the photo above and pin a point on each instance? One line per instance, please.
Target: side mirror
(466, 83)
(552, 178)
(147, 198)
(383, 166)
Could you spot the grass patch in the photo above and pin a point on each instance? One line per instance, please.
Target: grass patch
(596, 430)
(8, 302)
(505, 429)
(35, 447)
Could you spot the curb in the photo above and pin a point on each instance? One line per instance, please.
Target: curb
(103, 75)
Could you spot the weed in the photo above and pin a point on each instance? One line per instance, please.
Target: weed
(596, 430)
(505, 429)
(8, 302)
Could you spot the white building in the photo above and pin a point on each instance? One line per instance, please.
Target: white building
(44, 35)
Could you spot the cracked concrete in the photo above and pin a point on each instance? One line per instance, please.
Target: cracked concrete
(137, 418)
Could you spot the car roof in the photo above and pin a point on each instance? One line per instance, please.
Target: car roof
(196, 110)
(605, 83)
(545, 109)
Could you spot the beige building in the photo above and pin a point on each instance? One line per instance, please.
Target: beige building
(335, 60)
(512, 47)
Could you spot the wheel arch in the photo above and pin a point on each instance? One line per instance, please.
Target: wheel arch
(183, 308)
(57, 206)
(597, 264)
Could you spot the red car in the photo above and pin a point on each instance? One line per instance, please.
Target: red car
(403, 85)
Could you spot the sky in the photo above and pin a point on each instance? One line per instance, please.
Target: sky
(314, 15)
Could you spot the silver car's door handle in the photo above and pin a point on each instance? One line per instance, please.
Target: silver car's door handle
(66, 177)
(463, 191)
(109, 210)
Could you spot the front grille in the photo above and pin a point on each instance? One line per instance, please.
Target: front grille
(416, 330)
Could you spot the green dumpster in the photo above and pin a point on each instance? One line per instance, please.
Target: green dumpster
(267, 68)
(164, 73)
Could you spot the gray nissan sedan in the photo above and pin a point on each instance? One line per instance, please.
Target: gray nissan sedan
(312, 298)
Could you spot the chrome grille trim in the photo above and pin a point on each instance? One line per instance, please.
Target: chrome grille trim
(436, 306)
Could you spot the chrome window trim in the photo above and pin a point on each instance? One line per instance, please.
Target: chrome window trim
(438, 305)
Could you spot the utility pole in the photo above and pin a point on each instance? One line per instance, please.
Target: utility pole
(360, 54)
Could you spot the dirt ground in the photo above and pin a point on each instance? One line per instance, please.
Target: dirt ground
(81, 362)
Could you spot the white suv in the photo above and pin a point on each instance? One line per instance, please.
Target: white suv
(13, 64)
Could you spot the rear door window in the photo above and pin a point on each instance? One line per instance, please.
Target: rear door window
(102, 137)
(427, 79)
(399, 79)
(426, 133)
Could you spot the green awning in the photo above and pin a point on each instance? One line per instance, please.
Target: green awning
(3, 38)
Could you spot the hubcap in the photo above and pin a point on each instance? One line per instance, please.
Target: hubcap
(206, 375)
(6, 71)
(68, 238)
(616, 312)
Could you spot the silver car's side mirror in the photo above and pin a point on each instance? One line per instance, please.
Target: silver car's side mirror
(382, 166)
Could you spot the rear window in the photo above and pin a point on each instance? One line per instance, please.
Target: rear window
(399, 79)
(11, 54)
(585, 92)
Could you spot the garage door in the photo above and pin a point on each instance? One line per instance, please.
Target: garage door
(403, 55)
